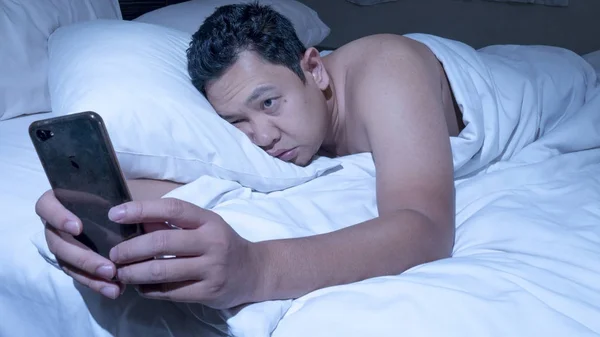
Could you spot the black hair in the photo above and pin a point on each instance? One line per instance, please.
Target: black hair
(233, 29)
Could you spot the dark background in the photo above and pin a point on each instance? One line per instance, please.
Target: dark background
(475, 22)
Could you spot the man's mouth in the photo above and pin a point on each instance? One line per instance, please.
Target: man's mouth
(287, 155)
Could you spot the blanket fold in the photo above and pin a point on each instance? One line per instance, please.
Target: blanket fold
(509, 95)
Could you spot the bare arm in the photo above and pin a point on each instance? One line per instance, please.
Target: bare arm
(148, 189)
(403, 114)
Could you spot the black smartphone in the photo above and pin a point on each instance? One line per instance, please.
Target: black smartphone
(84, 173)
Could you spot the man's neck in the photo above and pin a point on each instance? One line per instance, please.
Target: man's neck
(336, 131)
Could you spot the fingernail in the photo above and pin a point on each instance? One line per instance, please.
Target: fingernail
(116, 213)
(112, 254)
(111, 292)
(72, 227)
(106, 272)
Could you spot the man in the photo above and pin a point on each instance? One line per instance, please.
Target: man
(383, 94)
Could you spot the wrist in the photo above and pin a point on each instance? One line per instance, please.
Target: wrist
(261, 271)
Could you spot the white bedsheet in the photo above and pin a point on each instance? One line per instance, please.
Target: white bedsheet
(526, 160)
(525, 261)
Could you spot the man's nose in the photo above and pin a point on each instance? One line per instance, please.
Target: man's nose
(265, 135)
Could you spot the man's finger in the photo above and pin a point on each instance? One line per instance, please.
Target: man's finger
(185, 291)
(158, 243)
(77, 255)
(155, 226)
(56, 215)
(158, 271)
(106, 288)
(177, 212)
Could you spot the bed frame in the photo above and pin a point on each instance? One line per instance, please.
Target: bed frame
(131, 9)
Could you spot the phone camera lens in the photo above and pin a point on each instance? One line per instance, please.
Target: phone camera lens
(44, 135)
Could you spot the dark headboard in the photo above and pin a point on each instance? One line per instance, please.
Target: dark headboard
(131, 9)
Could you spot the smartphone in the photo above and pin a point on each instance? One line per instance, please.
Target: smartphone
(84, 173)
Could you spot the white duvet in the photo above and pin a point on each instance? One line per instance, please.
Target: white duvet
(527, 256)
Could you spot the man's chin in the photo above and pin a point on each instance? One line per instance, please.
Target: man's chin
(304, 157)
(303, 162)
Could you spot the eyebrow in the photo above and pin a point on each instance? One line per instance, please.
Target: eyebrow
(259, 92)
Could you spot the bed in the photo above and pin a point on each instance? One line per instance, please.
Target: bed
(527, 247)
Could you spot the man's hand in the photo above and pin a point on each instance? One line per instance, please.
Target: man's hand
(213, 264)
(76, 260)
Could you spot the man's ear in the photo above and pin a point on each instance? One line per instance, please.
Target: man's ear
(312, 64)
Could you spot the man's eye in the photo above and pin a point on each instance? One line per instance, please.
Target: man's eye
(268, 103)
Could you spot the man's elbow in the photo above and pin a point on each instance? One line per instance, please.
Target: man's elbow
(442, 235)
(436, 236)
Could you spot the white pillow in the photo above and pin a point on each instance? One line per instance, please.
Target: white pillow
(135, 76)
(24, 30)
(188, 16)
(593, 58)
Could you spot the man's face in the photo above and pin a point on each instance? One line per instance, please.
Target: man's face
(273, 107)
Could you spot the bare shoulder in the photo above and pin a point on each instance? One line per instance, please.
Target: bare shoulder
(377, 60)
(393, 90)
(389, 65)
(393, 62)
(384, 41)
(383, 51)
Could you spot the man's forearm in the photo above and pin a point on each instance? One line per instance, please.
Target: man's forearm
(387, 245)
(146, 189)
